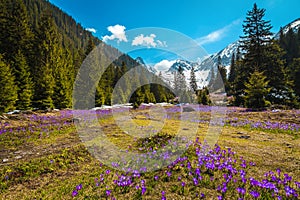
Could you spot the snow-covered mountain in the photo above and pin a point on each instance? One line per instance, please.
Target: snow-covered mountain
(295, 25)
(203, 69)
(148, 67)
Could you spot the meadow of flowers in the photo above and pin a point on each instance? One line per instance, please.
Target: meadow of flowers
(200, 172)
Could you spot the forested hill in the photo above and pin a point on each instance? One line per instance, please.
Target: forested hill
(41, 51)
(73, 34)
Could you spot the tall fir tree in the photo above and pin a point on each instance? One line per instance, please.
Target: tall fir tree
(63, 75)
(16, 34)
(256, 39)
(8, 92)
(23, 81)
(47, 55)
(193, 81)
(255, 44)
(256, 91)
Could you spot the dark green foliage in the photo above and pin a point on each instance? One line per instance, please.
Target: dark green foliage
(23, 81)
(267, 56)
(203, 97)
(255, 43)
(8, 92)
(256, 40)
(256, 91)
(193, 81)
(47, 60)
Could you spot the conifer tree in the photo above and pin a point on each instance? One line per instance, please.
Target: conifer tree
(46, 60)
(232, 73)
(16, 34)
(256, 91)
(193, 81)
(255, 43)
(8, 92)
(63, 75)
(23, 81)
(256, 39)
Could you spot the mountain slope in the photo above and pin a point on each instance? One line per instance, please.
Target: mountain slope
(204, 68)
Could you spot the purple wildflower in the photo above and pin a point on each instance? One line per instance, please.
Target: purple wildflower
(74, 193)
(255, 194)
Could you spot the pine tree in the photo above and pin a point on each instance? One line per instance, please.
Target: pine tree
(63, 75)
(256, 91)
(256, 39)
(220, 81)
(46, 61)
(294, 75)
(16, 34)
(23, 82)
(255, 43)
(281, 89)
(193, 81)
(8, 92)
(232, 73)
(212, 79)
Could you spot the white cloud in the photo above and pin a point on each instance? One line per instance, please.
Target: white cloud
(218, 34)
(142, 40)
(117, 32)
(164, 65)
(91, 30)
(148, 41)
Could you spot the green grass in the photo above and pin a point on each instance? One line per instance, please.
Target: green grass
(60, 161)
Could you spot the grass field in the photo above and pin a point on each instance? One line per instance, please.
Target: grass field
(257, 156)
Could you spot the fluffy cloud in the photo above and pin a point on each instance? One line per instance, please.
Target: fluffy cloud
(91, 30)
(117, 32)
(148, 41)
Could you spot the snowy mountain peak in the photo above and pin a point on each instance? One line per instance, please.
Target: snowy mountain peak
(294, 25)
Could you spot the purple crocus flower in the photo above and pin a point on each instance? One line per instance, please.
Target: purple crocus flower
(143, 190)
(79, 187)
(108, 192)
(182, 184)
(241, 190)
(74, 193)
(255, 194)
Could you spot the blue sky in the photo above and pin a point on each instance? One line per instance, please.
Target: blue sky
(212, 24)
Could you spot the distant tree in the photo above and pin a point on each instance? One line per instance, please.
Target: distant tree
(8, 92)
(193, 81)
(203, 97)
(220, 80)
(212, 78)
(256, 91)
(294, 75)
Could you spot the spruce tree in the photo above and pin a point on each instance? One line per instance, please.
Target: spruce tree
(193, 81)
(23, 81)
(256, 91)
(8, 92)
(255, 44)
(46, 60)
(16, 34)
(256, 39)
(62, 73)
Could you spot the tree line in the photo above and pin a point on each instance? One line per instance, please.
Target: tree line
(41, 51)
(265, 70)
